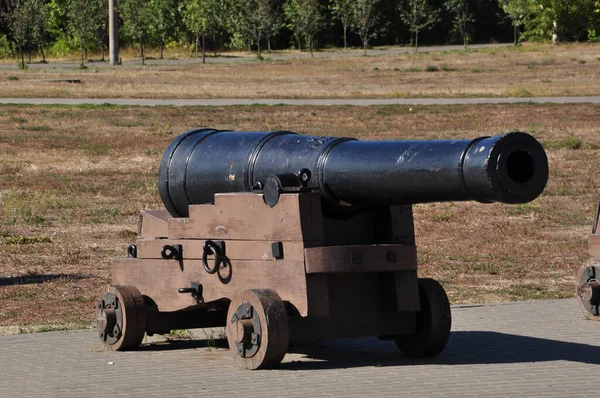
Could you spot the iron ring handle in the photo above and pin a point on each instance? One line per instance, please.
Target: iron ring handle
(211, 247)
(168, 252)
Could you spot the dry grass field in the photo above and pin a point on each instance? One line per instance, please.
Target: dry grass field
(72, 180)
(528, 71)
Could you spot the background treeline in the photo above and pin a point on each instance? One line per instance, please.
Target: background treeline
(62, 27)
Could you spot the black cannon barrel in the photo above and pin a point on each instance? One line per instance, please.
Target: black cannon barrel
(509, 168)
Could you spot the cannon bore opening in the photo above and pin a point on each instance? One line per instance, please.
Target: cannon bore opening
(520, 167)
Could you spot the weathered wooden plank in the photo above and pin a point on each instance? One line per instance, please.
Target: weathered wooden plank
(160, 279)
(234, 249)
(362, 258)
(153, 223)
(245, 216)
(594, 245)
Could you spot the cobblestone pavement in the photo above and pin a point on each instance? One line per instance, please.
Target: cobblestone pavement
(543, 348)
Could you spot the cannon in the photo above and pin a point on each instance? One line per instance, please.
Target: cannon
(281, 237)
(588, 276)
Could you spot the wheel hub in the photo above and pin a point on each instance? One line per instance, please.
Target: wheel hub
(109, 318)
(588, 290)
(248, 331)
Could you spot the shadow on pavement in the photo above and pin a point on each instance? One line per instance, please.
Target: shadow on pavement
(37, 278)
(171, 345)
(464, 348)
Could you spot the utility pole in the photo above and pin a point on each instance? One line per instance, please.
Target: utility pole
(113, 42)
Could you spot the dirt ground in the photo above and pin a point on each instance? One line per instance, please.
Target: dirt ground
(73, 179)
(530, 70)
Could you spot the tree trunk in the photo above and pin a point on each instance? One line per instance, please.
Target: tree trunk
(162, 50)
(82, 58)
(214, 45)
(365, 46)
(43, 54)
(269, 43)
(28, 54)
(203, 49)
(197, 43)
(22, 56)
(102, 51)
(416, 41)
(515, 35)
(298, 39)
(310, 44)
(142, 50)
(258, 49)
(345, 37)
(464, 34)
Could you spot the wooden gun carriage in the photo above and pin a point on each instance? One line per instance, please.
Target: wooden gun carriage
(588, 276)
(282, 237)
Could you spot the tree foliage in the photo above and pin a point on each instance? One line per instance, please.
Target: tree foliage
(137, 18)
(344, 12)
(365, 21)
(462, 17)
(418, 15)
(59, 27)
(517, 11)
(203, 18)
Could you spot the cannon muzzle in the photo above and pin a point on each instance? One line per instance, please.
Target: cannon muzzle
(509, 168)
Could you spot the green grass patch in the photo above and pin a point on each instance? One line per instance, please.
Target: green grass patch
(26, 240)
(524, 209)
(432, 68)
(520, 92)
(42, 127)
(446, 68)
(17, 119)
(13, 78)
(444, 216)
(95, 148)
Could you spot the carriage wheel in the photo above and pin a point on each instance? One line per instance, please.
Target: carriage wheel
(433, 322)
(257, 329)
(588, 289)
(121, 318)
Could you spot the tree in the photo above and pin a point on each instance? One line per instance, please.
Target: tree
(517, 11)
(291, 11)
(365, 20)
(17, 22)
(462, 17)
(418, 16)
(136, 21)
(163, 24)
(83, 17)
(304, 18)
(37, 15)
(273, 10)
(100, 24)
(569, 20)
(202, 18)
(343, 10)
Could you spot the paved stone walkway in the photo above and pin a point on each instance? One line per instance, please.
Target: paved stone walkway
(544, 348)
(312, 102)
(251, 57)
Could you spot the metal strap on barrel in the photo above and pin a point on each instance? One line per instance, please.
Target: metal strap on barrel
(256, 151)
(322, 160)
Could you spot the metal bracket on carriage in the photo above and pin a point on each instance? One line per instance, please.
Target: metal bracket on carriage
(195, 290)
(275, 185)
